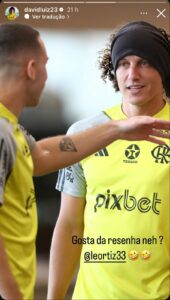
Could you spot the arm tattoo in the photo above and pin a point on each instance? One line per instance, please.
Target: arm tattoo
(67, 145)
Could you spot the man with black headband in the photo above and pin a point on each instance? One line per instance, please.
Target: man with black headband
(115, 204)
(146, 41)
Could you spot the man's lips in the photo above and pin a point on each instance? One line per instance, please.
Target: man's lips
(135, 87)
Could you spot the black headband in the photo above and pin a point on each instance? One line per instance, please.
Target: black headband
(146, 41)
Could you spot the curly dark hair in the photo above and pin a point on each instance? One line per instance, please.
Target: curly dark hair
(105, 62)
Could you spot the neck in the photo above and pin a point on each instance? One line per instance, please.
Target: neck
(131, 109)
(12, 105)
(11, 98)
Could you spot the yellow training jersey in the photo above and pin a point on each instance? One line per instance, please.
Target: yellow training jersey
(125, 253)
(18, 215)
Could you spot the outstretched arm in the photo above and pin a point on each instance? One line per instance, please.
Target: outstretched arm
(58, 152)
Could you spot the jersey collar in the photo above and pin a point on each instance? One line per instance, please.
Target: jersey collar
(7, 114)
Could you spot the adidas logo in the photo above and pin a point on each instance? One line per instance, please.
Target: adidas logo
(102, 152)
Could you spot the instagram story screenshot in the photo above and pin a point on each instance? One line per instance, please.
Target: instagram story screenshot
(84, 150)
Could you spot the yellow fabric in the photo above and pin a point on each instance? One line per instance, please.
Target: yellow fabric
(18, 215)
(127, 214)
(11, 16)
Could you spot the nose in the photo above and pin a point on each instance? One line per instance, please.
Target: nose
(133, 72)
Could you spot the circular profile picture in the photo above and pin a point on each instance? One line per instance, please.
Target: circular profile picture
(12, 13)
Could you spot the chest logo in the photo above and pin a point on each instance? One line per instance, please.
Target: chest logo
(131, 153)
(161, 153)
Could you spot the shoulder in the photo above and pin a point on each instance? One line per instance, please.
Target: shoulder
(89, 122)
(7, 149)
(5, 126)
(6, 131)
(29, 138)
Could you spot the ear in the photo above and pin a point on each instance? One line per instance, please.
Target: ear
(31, 69)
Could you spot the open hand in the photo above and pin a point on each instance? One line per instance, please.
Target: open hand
(144, 128)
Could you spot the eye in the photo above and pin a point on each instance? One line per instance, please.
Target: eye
(145, 63)
(123, 63)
